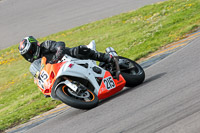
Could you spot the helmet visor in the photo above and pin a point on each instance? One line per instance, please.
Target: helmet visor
(28, 56)
(30, 53)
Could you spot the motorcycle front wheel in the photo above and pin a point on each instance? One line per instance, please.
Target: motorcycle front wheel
(132, 72)
(87, 100)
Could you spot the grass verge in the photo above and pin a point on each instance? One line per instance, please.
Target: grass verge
(134, 34)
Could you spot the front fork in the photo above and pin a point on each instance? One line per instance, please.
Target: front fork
(74, 86)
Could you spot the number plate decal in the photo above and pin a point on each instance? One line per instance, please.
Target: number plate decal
(44, 75)
(42, 78)
(109, 83)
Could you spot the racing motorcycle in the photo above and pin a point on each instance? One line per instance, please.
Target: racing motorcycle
(82, 83)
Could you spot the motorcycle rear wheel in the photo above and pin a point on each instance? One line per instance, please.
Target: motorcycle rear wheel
(65, 95)
(134, 75)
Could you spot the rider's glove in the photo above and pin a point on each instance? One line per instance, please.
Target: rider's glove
(58, 55)
(54, 60)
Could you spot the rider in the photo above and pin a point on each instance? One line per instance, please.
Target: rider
(31, 50)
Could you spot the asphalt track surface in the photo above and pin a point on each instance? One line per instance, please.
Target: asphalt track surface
(20, 18)
(168, 101)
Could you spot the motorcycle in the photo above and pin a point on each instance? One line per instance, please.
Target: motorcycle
(82, 83)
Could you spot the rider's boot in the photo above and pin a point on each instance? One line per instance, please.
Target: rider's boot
(108, 57)
(111, 51)
(83, 52)
(92, 45)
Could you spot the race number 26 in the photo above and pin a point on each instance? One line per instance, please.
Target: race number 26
(109, 83)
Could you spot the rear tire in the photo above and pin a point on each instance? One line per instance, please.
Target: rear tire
(65, 95)
(133, 76)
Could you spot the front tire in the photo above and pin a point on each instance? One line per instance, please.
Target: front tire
(65, 94)
(134, 74)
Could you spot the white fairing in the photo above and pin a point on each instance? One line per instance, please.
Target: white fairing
(73, 68)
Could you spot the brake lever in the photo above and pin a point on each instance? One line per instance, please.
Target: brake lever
(117, 67)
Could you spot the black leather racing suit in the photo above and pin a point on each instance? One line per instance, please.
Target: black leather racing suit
(54, 51)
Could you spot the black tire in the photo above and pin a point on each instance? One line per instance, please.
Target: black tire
(134, 76)
(63, 94)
